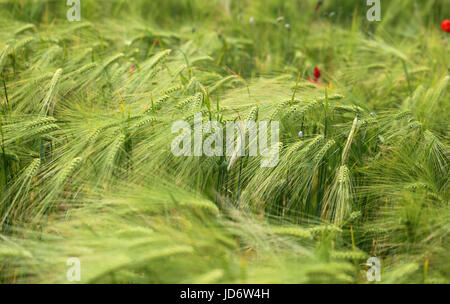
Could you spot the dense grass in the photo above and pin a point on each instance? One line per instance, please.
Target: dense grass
(87, 171)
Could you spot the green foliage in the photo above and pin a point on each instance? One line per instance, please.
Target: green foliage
(86, 168)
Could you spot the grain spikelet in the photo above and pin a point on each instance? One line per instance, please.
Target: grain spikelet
(346, 108)
(25, 28)
(67, 172)
(349, 255)
(115, 146)
(5, 52)
(293, 231)
(83, 69)
(282, 105)
(172, 89)
(40, 122)
(42, 130)
(202, 205)
(349, 141)
(294, 147)
(310, 105)
(403, 115)
(253, 115)
(335, 97)
(22, 43)
(156, 59)
(144, 121)
(112, 59)
(339, 198)
(92, 138)
(191, 101)
(324, 229)
(160, 102)
(48, 106)
(32, 169)
(324, 150)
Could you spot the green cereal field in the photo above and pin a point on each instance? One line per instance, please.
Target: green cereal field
(224, 141)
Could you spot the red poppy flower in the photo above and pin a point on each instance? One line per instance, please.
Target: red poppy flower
(316, 73)
(316, 76)
(445, 25)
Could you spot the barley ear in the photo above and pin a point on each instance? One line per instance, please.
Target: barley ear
(349, 141)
